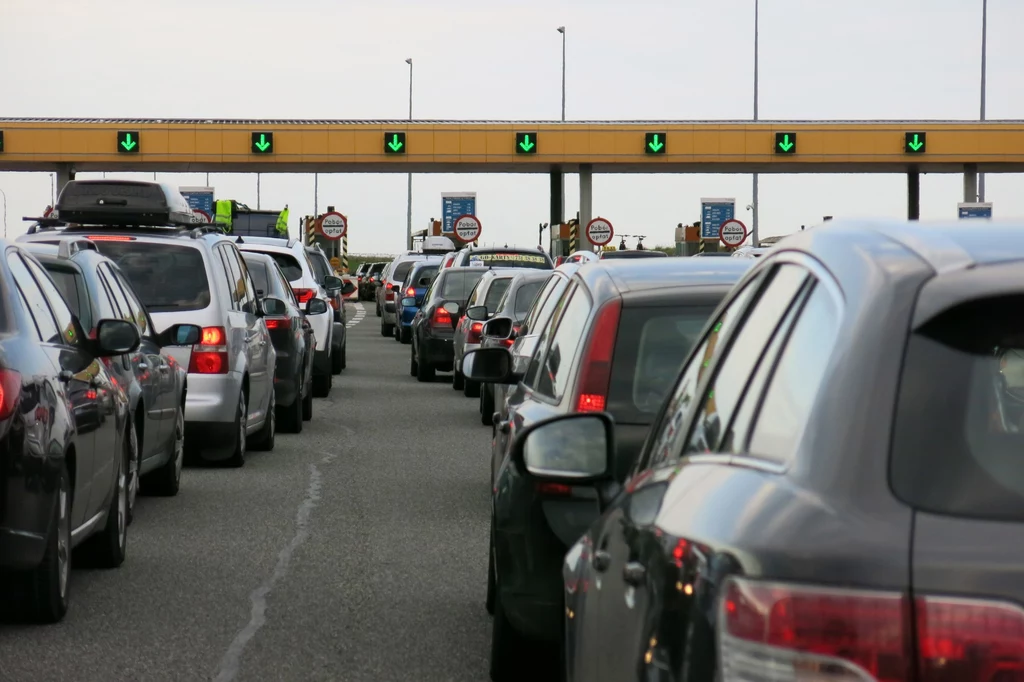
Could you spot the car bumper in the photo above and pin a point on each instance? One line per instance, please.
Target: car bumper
(388, 311)
(439, 351)
(212, 397)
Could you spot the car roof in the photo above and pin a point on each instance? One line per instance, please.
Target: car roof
(638, 275)
(48, 252)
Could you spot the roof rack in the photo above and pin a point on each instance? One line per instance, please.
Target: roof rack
(206, 228)
(44, 223)
(69, 247)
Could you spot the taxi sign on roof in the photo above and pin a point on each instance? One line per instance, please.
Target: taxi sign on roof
(123, 202)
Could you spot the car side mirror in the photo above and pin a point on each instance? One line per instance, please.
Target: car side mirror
(348, 288)
(498, 327)
(477, 313)
(570, 448)
(180, 335)
(316, 306)
(489, 366)
(275, 306)
(116, 337)
(333, 284)
(409, 302)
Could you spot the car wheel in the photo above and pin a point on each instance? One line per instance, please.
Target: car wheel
(486, 406)
(471, 389)
(491, 583)
(406, 335)
(264, 438)
(307, 403)
(133, 469)
(108, 548)
(387, 329)
(458, 380)
(378, 310)
(413, 365)
(166, 480)
(424, 370)
(290, 416)
(48, 582)
(237, 458)
(344, 355)
(509, 649)
(337, 359)
(322, 384)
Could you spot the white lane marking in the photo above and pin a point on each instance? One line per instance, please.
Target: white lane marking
(358, 317)
(258, 617)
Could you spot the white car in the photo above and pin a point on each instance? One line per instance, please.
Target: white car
(291, 256)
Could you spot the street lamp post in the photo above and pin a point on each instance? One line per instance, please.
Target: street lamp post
(561, 29)
(753, 219)
(984, 51)
(408, 198)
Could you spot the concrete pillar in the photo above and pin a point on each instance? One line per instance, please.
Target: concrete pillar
(913, 194)
(65, 174)
(970, 183)
(557, 199)
(586, 195)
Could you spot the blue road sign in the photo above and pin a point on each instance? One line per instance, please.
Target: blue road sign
(454, 205)
(975, 210)
(714, 212)
(199, 198)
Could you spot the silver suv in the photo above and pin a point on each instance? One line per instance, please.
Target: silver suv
(390, 290)
(185, 275)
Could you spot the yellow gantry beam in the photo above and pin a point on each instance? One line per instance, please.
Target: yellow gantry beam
(490, 147)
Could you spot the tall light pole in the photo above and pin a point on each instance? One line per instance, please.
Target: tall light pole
(753, 221)
(408, 198)
(4, 195)
(561, 29)
(984, 51)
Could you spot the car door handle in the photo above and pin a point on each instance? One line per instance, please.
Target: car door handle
(601, 560)
(634, 573)
(65, 375)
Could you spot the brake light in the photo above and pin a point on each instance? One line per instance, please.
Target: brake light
(441, 318)
(512, 337)
(109, 238)
(278, 322)
(10, 391)
(389, 294)
(475, 330)
(410, 292)
(596, 374)
(554, 489)
(359, 278)
(448, 261)
(210, 355)
(773, 632)
(304, 295)
(968, 640)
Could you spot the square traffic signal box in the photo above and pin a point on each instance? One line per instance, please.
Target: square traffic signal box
(913, 143)
(526, 143)
(128, 142)
(655, 143)
(785, 143)
(263, 143)
(394, 143)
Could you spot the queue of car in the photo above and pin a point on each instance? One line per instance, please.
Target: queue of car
(129, 340)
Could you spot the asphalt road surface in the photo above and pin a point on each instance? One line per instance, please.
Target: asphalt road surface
(356, 550)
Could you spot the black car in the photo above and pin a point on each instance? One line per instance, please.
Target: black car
(833, 489)
(322, 269)
(65, 439)
(95, 288)
(615, 343)
(292, 336)
(371, 279)
(433, 327)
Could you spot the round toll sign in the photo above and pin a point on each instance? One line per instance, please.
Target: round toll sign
(333, 225)
(200, 216)
(599, 231)
(732, 232)
(467, 228)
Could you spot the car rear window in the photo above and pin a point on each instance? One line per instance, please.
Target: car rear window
(167, 277)
(401, 270)
(510, 259)
(73, 290)
(650, 347)
(458, 283)
(427, 271)
(525, 296)
(259, 275)
(320, 266)
(376, 267)
(497, 289)
(288, 263)
(958, 436)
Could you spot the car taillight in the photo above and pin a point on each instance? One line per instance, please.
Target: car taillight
(278, 322)
(410, 292)
(772, 631)
(210, 355)
(304, 295)
(109, 238)
(441, 318)
(389, 295)
(359, 278)
(512, 337)
(968, 640)
(596, 374)
(554, 489)
(473, 335)
(10, 391)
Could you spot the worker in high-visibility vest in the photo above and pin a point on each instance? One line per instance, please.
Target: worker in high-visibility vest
(223, 209)
(282, 222)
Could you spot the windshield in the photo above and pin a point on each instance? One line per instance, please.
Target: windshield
(458, 283)
(165, 276)
(510, 259)
(525, 296)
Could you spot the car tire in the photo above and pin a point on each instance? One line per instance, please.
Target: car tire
(166, 481)
(486, 406)
(424, 371)
(290, 416)
(413, 365)
(337, 360)
(471, 389)
(135, 466)
(491, 582)
(344, 354)
(307, 403)
(458, 381)
(263, 440)
(378, 310)
(48, 582)
(397, 329)
(322, 384)
(509, 649)
(237, 458)
(387, 329)
(406, 335)
(108, 548)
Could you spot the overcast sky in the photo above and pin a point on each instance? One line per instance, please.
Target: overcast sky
(475, 59)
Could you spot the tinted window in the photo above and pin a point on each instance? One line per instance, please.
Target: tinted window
(458, 283)
(509, 259)
(232, 275)
(138, 312)
(284, 288)
(375, 268)
(114, 295)
(288, 263)
(34, 300)
(420, 273)
(71, 286)
(541, 313)
(61, 312)
(730, 380)
(796, 379)
(959, 429)
(495, 292)
(258, 272)
(525, 296)
(401, 270)
(165, 276)
(321, 267)
(565, 341)
(650, 347)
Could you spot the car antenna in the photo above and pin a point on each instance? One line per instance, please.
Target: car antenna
(239, 240)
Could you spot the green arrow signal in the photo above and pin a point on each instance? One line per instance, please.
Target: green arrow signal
(655, 145)
(263, 145)
(526, 144)
(395, 144)
(786, 145)
(916, 143)
(127, 142)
